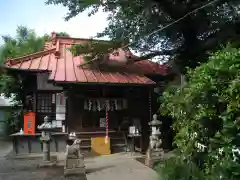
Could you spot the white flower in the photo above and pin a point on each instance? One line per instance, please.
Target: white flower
(194, 134)
(220, 150)
(201, 147)
(234, 152)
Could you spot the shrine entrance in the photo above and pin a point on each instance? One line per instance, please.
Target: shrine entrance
(106, 114)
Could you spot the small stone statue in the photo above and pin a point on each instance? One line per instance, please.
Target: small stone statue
(74, 163)
(73, 150)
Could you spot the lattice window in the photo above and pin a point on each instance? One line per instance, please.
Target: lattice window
(46, 106)
(44, 103)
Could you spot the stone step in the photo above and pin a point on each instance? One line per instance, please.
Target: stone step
(112, 138)
(117, 140)
(119, 145)
(86, 135)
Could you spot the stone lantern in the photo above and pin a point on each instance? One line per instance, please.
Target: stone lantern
(46, 131)
(154, 151)
(155, 126)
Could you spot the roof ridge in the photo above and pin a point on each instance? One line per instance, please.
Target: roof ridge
(152, 62)
(77, 38)
(28, 57)
(57, 40)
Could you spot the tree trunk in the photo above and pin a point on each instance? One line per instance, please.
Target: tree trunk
(188, 51)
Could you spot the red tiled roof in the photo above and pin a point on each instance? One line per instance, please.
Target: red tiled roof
(64, 67)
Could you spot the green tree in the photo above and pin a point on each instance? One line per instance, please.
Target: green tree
(63, 34)
(186, 42)
(11, 84)
(206, 112)
(25, 42)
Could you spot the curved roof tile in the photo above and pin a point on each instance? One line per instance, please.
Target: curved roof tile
(64, 67)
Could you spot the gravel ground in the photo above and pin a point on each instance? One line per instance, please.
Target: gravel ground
(113, 167)
(5, 147)
(23, 169)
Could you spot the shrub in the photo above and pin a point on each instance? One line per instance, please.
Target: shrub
(207, 115)
(178, 169)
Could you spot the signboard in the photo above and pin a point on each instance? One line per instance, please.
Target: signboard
(102, 122)
(60, 107)
(132, 130)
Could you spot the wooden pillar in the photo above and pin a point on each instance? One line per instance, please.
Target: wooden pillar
(34, 102)
(67, 112)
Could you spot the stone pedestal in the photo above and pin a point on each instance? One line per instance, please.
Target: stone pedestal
(152, 157)
(46, 147)
(75, 167)
(47, 162)
(148, 159)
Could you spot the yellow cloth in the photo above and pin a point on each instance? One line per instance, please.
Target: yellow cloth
(101, 145)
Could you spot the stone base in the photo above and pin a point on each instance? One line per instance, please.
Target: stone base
(79, 172)
(74, 163)
(151, 161)
(47, 164)
(158, 154)
(75, 177)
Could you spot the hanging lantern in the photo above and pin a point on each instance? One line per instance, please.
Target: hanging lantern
(111, 105)
(107, 105)
(89, 105)
(116, 104)
(98, 105)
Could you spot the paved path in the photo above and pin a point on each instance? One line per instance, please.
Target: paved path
(113, 167)
(118, 167)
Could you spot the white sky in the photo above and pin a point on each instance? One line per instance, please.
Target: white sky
(35, 14)
(45, 19)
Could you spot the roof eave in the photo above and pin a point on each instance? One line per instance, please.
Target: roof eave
(28, 70)
(103, 83)
(15, 61)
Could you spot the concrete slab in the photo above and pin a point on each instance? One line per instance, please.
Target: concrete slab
(118, 167)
